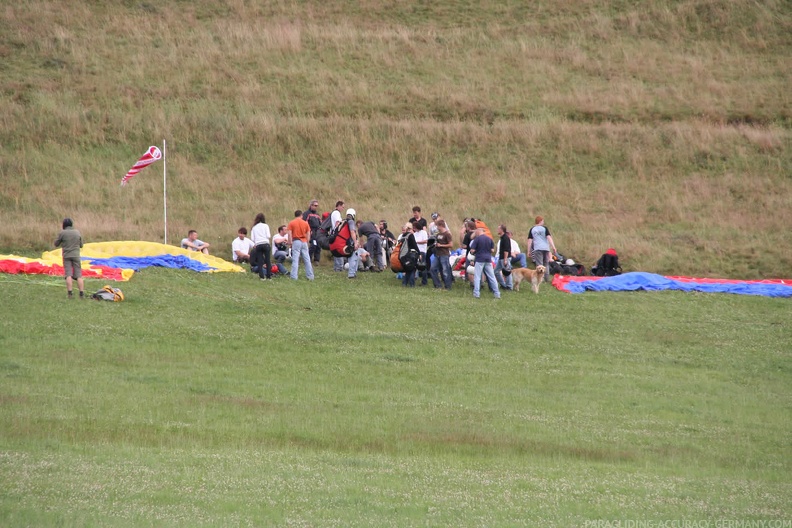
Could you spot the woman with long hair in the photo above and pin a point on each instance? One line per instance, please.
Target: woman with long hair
(260, 235)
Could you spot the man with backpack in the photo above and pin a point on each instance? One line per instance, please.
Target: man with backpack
(311, 215)
(335, 226)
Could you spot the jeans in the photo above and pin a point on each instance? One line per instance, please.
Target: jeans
(261, 260)
(338, 263)
(300, 251)
(486, 267)
(503, 282)
(354, 262)
(280, 256)
(441, 268)
(409, 278)
(374, 247)
(520, 261)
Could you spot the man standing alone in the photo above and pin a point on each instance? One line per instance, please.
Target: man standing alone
(70, 240)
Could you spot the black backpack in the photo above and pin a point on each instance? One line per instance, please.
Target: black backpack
(323, 233)
(408, 257)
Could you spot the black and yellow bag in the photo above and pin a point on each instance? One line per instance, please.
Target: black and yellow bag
(108, 293)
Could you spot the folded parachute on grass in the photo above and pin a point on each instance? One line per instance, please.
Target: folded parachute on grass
(118, 260)
(651, 282)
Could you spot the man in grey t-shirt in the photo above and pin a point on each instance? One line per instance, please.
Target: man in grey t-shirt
(70, 241)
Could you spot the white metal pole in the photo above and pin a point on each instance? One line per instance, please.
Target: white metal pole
(165, 187)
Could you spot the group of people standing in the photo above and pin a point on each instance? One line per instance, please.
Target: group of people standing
(432, 243)
(294, 238)
(479, 248)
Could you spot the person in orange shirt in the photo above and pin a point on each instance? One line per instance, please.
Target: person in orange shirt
(299, 235)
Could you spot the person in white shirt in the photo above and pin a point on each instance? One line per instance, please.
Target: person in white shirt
(281, 243)
(260, 234)
(421, 237)
(242, 247)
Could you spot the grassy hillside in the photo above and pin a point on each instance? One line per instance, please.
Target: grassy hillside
(660, 128)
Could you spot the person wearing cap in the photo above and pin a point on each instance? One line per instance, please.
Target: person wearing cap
(311, 215)
(433, 230)
(299, 233)
(607, 265)
(540, 242)
(70, 242)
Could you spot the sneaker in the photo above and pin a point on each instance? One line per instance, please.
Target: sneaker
(82, 295)
(352, 277)
(71, 295)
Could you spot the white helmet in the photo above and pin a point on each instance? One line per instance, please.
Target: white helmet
(351, 212)
(569, 262)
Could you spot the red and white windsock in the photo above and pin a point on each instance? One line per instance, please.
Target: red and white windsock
(152, 154)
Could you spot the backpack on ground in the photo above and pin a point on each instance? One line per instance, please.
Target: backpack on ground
(108, 293)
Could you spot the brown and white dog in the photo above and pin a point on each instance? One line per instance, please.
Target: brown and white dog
(524, 274)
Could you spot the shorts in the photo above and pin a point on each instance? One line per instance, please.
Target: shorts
(72, 267)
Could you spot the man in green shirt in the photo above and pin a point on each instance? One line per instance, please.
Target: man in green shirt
(70, 241)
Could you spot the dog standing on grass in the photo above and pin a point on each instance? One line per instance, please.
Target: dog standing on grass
(525, 274)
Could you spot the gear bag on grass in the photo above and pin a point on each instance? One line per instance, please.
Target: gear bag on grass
(108, 293)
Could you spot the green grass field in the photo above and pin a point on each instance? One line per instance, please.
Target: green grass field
(216, 399)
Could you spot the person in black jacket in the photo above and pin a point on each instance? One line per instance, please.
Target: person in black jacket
(607, 265)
